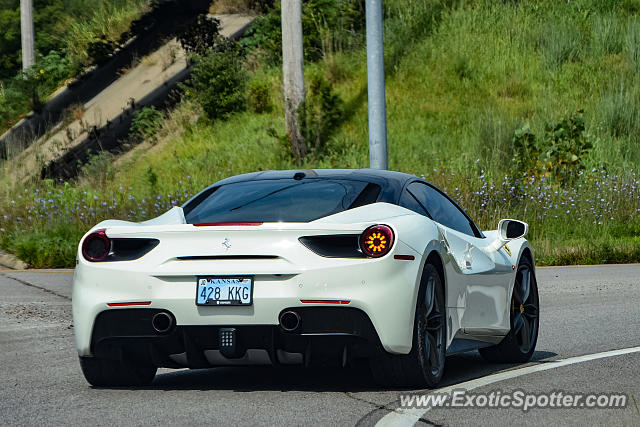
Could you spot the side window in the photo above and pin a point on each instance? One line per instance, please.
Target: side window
(408, 201)
(441, 209)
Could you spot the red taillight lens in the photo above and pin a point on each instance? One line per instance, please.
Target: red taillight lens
(376, 241)
(96, 246)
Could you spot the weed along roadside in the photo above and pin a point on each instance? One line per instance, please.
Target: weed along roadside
(517, 110)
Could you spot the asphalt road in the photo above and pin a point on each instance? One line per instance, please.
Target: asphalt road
(584, 311)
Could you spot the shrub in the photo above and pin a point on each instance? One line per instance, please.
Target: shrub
(202, 35)
(320, 114)
(258, 97)
(53, 247)
(565, 146)
(101, 49)
(560, 153)
(97, 168)
(57, 67)
(218, 83)
(525, 151)
(146, 122)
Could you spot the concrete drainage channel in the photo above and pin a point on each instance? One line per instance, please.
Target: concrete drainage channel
(108, 113)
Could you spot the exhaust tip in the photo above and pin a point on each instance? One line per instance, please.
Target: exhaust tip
(162, 322)
(290, 321)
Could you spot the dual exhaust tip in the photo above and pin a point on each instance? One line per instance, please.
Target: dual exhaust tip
(162, 322)
(290, 321)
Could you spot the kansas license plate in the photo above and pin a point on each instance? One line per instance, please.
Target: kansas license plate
(224, 291)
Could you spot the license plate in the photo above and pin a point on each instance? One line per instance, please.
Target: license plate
(224, 291)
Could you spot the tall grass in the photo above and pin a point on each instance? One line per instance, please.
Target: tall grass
(620, 112)
(561, 42)
(632, 43)
(607, 34)
(108, 19)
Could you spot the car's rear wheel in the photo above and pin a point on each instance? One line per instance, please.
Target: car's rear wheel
(116, 373)
(520, 343)
(424, 365)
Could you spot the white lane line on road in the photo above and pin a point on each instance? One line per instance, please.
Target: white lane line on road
(410, 416)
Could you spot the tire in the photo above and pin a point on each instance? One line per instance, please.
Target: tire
(115, 373)
(520, 343)
(424, 365)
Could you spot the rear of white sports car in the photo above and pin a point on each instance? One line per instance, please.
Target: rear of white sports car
(224, 282)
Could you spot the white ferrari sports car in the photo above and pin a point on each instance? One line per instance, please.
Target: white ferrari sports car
(309, 267)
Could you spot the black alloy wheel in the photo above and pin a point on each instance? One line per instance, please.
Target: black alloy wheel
(520, 343)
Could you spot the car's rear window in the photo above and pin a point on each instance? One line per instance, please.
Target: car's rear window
(285, 200)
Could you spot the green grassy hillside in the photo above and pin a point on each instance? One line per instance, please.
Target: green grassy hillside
(482, 100)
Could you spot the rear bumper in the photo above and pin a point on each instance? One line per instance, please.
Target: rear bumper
(326, 336)
(383, 289)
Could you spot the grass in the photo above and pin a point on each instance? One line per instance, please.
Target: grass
(108, 20)
(461, 77)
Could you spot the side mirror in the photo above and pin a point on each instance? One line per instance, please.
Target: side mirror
(510, 229)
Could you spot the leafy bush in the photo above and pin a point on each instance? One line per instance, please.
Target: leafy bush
(101, 49)
(258, 97)
(13, 102)
(201, 35)
(54, 68)
(51, 247)
(218, 83)
(560, 153)
(525, 151)
(98, 168)
(565, 146)
(320, 114)
(146, 122)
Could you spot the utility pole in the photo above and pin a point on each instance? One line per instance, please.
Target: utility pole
(293, 73)
(378, 157)
(26, 33)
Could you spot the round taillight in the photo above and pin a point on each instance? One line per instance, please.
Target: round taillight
(376, 241)
(96, 246)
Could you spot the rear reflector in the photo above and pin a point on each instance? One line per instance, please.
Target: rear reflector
(125, 304)
(324, 301)
(404, 257)
(229, 224)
